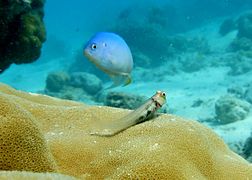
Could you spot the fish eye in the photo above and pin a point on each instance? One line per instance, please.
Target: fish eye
(93, 46)
(163, 94)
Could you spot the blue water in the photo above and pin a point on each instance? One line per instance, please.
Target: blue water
(75, 22)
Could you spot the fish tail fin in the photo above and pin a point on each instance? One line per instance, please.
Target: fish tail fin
(120, 80)
(127, 80)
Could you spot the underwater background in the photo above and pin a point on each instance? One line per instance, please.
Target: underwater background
(198, 51)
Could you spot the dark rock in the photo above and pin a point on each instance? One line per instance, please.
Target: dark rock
(248, 94)
(230, 109)
(247, 149)
(245, 25)
(123, 100)
(56, 81)
(227, 26)
(128, 101)
(88, 82)
(243, 40)
(239, 65)
(77, 86)
(197, 103)
(237, 147)
(71, 93)
(155, 43)
(241, 43)
(236, 91)
(192, 62)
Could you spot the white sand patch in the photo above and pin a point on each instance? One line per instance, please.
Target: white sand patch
(236, 132)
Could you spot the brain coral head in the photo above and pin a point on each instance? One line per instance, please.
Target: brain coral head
(22, 145)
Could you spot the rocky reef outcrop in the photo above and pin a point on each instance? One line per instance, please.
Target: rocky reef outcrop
(243, 25)
(89, 82)
(78, 86)
(229, 109)
(22, 31)
(248, 93)
(227, 26)
(150, 38)
(247, 149)
(127, 101)
(168, 147)
(123, 100)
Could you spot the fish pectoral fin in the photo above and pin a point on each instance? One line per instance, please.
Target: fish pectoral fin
(120, 80)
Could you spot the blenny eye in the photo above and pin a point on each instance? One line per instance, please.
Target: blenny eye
(163, 94)
(93, 46)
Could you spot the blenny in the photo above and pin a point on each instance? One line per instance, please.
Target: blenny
(141, 114)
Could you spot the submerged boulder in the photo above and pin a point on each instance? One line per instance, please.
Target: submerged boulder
(239, 64)
(247, 149)
(56, 81)
(236, 91)
(123, 100)
(88, 82)
(245, 25)
(229, 109)
(248, 93)
(75, 86)
(227, 26)
(156, 45)
(241, 43)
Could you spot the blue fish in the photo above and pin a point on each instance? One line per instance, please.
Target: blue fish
(110, 53)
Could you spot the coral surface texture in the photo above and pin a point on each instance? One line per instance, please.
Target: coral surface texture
(48, 138)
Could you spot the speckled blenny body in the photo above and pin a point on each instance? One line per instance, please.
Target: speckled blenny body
(143, 113)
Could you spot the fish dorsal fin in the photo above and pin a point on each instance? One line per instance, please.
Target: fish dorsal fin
(120, 80)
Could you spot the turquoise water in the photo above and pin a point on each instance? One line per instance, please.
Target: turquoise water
(200, 52)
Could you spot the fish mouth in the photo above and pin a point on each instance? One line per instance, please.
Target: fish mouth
(87, 54)
(93, 60)
(157, 103)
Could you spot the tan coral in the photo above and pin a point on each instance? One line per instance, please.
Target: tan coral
(22, 144)
(168, 147)
(23, 175)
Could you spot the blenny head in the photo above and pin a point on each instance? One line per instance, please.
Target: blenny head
(159, 98)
